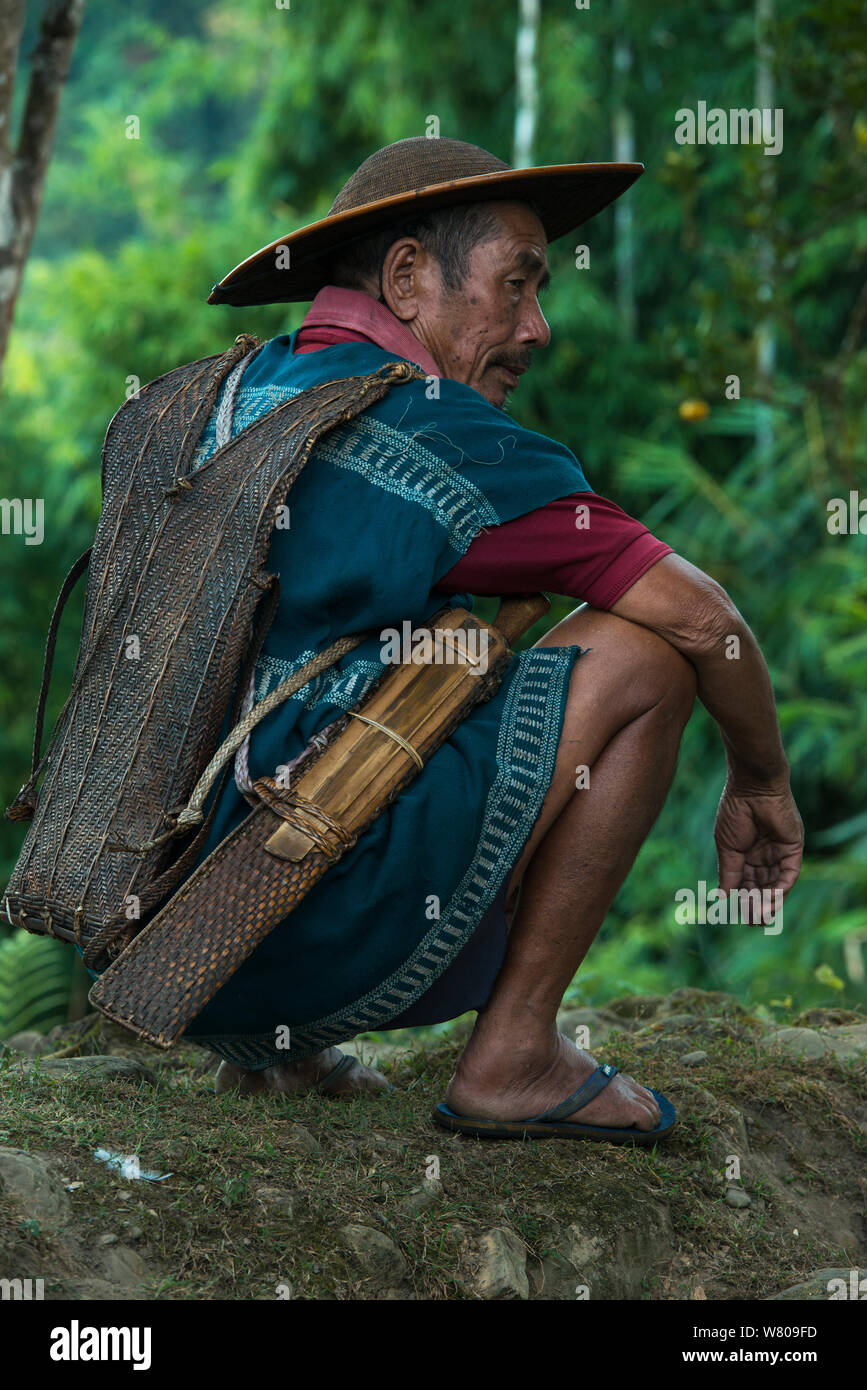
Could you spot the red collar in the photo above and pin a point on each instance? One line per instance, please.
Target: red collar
(358, 313)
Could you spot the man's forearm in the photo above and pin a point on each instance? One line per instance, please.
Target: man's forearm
(737, 692)
(692, 612)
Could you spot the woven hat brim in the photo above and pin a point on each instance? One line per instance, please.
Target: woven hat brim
(566, 195)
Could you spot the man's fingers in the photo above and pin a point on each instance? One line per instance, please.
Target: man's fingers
(731, 869)
(789, 871)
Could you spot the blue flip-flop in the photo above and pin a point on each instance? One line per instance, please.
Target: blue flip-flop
(548, 1125)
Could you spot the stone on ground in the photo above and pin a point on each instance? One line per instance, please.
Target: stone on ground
(502, 1273)
(29, 1181)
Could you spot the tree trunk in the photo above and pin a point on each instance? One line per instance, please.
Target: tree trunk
(23, 166)
(623, 139)
(766, 343)
(527, 82)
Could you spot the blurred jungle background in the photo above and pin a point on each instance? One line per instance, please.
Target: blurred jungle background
(721, 263)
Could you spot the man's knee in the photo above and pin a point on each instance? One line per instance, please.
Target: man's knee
(642, 666)
(670, 676)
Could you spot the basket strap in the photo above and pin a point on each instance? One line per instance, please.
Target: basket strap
(24, 805)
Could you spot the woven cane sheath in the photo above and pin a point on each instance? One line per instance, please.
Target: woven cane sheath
(263, 869)
(177, 602)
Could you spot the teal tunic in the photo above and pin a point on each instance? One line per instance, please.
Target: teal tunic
(384, 508)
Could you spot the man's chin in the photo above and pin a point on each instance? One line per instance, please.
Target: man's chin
(495, 395)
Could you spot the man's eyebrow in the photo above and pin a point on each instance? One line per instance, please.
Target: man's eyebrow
(531, 260)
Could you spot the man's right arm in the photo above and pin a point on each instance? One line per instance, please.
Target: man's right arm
(759, 833)
(697, 617)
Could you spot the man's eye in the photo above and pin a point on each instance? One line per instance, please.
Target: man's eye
(514, 282)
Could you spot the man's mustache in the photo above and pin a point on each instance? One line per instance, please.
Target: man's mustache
(514, 364)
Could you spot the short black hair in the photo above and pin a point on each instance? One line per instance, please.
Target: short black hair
(449, 234)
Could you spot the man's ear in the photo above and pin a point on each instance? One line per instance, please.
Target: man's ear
(405, 271)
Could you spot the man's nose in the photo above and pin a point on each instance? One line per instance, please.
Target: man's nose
(533, 329)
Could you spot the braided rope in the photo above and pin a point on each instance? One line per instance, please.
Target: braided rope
(227, 404)
(242, 757)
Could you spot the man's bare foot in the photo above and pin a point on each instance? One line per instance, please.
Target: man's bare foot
(293, 1078)
(510, 1084)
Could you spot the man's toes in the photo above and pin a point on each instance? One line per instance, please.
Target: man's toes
(232, 1078)
(643, 1094)
(360, 1078)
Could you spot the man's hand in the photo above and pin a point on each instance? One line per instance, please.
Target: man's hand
(760, 840)
(759, 834)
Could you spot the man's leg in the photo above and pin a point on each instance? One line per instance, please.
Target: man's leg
(630, 698)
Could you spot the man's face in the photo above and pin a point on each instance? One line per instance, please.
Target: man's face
(484, 334)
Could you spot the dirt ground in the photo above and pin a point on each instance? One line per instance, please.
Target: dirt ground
(761, 1184)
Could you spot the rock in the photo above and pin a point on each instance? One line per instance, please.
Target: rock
(848, 1043)
(387, 1143)
(376, 1253)
(610, 1264)
(420, 1198)
(278, 1201)
(824, 1017)
(688, 1022)
(679, 1047)
(736, 1197)
(302, 1139)
(107, 1239)
(815, 1287)
(698, 1000)
(693, 1059)
(98, 1068)
(124, 1267)
(30, 1182)
(31, 1043)
(805, 1044)
(637, 1005)
(580, 1248)
(502, 1273)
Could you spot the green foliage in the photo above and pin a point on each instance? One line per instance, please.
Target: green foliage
(35, 980)
(251, 119)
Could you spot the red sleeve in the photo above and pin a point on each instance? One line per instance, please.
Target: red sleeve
(582, 546)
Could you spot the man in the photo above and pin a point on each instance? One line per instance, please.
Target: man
(435, 251)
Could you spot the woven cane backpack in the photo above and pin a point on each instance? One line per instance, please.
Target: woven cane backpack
(177, 605)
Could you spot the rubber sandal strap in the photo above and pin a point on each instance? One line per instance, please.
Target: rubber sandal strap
(326, 1083)
(600, 1078)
